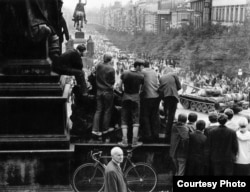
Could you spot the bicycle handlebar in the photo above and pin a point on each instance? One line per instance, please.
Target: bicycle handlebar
(97, 155)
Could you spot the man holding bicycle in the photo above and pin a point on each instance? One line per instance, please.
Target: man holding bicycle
(114, 179)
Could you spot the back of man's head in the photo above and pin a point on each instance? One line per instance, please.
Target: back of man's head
(139, 62)
(243, 122)
(146, 64)
(222, 119)
(200, 125)
(81, 48)
(229, 112)
(107, 57)
(213, 117)
(182, 118)
(192, 117)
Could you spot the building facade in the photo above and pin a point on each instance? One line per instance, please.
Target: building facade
(200, 12)
(158, 16)
(229, 12)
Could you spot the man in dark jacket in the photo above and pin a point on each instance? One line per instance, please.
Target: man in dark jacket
(213, 122)
(221, 148)
(114, 179)
(179, 144)
(169, 87)
(105, 80)
(196, 153)
(70, 63)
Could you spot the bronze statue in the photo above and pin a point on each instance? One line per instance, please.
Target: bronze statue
(79, 15)
(26, 23)
(29, 29)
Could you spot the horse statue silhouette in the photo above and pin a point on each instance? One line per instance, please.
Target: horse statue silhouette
(79, 15)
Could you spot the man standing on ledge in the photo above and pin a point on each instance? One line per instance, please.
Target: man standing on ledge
(105, 80)
(114, 179)
(169, 87)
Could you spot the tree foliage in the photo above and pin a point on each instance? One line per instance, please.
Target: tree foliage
(212, 48)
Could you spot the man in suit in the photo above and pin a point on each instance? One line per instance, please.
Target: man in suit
(169, 87)
(221, 148)
(196, 161)
(213, 122)
(114, 179)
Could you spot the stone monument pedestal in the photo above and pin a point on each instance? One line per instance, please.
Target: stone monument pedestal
(34, 137)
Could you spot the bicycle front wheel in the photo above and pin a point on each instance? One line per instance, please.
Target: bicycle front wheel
(141, 177)
(88, 177)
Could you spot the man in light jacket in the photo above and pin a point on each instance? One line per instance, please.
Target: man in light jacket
(242, 163)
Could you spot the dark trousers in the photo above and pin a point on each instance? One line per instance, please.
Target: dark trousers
(222, 168)
(103, 112)
(170, 106)
(78, 73)
(242, 169)
(150, 118)
(195, 167)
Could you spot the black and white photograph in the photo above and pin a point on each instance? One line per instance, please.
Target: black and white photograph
(124, 95)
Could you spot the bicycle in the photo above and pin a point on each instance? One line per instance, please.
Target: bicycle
(90, 176)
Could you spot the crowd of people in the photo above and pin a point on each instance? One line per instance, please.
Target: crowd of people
(220, 148)
(149, 95)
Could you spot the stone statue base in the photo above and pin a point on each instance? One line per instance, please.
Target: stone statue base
(33, 113)
(79, 35)
(27, 67)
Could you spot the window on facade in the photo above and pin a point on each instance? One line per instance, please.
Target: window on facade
(217, 13)
(220, 14)
(241, 14)
(214, 14)
(236, 14)
(227, 18)
(231, 14)
(223, 11)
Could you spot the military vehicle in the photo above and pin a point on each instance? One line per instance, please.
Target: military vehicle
(210, 99)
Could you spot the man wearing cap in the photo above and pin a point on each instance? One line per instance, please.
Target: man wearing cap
(221, 148)
(70, 63)
(105, 80)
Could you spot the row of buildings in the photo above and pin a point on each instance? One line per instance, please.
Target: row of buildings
(158, 16)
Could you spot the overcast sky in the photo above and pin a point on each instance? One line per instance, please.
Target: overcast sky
(91, 3)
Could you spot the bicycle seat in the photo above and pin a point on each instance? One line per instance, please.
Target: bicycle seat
(132, 149)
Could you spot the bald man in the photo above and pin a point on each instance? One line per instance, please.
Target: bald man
(114, 179)
(105, 80)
